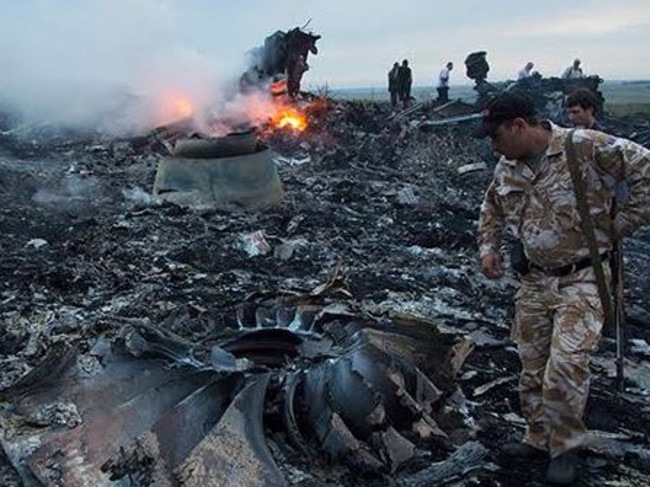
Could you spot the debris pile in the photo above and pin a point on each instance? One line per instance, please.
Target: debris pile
(361, 284)
(549, 96)
(304, 382)
(234, 169)
(282, 61)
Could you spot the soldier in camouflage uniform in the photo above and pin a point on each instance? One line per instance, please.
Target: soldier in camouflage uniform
(558, 312)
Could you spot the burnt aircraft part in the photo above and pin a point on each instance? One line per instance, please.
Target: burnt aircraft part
(235, 169)
(283, 55)
(150, 409)
(372, 402)
(233, 144)
(126, 399)
(235, 451)
(477, 66)
(159, 451)
(292, 381)
(271, 346)
(281, 49)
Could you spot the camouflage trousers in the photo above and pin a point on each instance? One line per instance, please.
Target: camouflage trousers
(557, 325)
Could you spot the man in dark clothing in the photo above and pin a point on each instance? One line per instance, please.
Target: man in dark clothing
(404, 82)
(392, 85)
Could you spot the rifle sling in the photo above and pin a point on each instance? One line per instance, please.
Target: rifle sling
(587, 223)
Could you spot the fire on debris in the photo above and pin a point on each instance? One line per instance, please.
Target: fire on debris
(174, 106)
(289, 117)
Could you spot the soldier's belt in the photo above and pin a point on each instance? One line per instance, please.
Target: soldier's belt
(568, 269)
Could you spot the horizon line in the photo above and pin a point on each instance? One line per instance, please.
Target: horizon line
(464, 85)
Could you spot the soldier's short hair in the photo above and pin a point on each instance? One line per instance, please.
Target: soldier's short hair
(505, 107)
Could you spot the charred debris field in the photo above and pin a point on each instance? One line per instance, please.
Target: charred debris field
(368, 264)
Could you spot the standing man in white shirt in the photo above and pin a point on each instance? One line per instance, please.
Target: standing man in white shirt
(443, 83)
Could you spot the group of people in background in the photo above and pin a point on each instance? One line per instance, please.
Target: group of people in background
(572, 72)
(400, 80)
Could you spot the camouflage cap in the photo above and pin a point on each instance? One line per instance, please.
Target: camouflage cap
(504, 107)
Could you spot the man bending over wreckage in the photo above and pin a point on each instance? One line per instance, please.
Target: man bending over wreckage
(559, 308)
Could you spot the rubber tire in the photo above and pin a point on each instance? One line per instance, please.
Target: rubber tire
(235, 144)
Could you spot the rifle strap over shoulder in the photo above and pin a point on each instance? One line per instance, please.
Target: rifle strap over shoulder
(587, 223)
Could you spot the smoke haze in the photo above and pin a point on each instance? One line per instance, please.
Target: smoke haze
(117, 65)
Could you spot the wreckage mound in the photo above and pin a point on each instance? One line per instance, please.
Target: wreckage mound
(315, 382)
(377, 224)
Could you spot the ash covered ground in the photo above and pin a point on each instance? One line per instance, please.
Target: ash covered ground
(85, 249)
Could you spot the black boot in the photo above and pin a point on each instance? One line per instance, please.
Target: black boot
(562, 469)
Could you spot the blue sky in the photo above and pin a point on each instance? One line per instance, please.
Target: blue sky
(50, 47)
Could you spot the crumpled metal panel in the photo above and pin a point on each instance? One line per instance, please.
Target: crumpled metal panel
(112, 408)
(250, 180)
(235, 451)
(107, 411)
(145, 411)
(357, 403)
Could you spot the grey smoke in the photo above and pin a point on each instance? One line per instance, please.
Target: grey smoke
(107, 64)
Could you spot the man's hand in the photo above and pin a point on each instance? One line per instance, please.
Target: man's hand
(491, 266)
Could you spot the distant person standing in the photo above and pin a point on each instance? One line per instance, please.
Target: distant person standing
(443, 83)
(526, 71)
(393, 85)
(574, 71)
(581, 107)
(404, 82)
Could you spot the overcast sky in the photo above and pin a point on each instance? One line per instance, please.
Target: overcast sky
(361, 38)
(49, 48)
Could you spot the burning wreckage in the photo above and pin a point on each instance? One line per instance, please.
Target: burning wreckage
(280, 62)
(294, 305)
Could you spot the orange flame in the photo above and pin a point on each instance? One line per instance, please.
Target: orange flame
(174, 106)
(183, 107)
(291, 118)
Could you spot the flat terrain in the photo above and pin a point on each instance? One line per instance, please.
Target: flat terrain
(621, 97)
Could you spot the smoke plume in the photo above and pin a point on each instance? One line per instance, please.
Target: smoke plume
(114, 65)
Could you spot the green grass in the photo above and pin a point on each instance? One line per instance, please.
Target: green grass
(620, 109)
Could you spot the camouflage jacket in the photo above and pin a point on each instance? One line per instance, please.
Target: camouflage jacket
(539, 208)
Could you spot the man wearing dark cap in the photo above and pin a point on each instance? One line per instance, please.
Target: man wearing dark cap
(558, 312)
